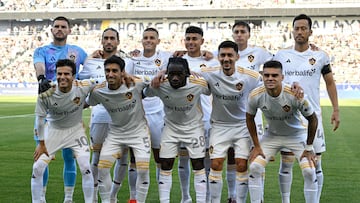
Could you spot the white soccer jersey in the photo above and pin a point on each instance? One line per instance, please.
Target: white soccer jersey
(253, 57)
(64, 110)
(124, 105)
(306, 69)
(195, 64)
(230, 93)
(94, 68)
(149, 66)
(183, 105)
(283, 113)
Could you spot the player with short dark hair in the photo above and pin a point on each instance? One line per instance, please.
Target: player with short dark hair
(180, 94)
(63, 129)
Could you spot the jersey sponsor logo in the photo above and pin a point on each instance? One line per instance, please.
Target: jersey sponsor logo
(264, 108)
(286, 108)
(251, 58)
(312, 61)
(288, 61)
(128, 95)
(157, 62)
(239, 86)
(190, 97)
(217, 84)
(138, 63)
(76, 100)
(300, 73)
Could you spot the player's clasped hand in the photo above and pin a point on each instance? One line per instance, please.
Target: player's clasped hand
(40, 149)
(44, 84)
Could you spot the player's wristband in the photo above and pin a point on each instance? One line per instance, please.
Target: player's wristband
(309, 148)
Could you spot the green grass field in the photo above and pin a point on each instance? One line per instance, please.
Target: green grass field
(341, 162)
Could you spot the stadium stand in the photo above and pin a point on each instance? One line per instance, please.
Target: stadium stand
(18, 39)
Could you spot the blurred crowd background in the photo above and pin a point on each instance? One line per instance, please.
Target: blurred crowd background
(17, 43)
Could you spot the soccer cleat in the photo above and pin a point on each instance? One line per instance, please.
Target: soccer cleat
(132, 201)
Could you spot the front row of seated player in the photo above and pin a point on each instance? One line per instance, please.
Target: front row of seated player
(237, 94)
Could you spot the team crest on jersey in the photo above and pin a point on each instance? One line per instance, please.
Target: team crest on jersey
(239, 86)
(312, 61)
(128, 95)
(203, 65)
(211, 149)
(76, 100)
(251, 58)
(190, 97)
(286, 108)
(158, 62)
(72, 57)
(306, 106)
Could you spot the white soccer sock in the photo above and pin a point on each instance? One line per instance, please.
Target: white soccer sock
(95, 195)
(285, 176)
(207, 164)
(184, 176)
(231, 180)
(215, 185)
(115, 187)
(257, 168)
(94, 166)
(319, 176)
(310, 183)
(43, 195)
(200, 185)
(120, 169)
(142, 184)
(242, 187)
(104, 184)
(87, 178)
(37, 180)
(165, 183)
(69, 192)
(132, 180)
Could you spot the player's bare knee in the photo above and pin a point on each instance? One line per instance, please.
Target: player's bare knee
(241, 165)
(197, 164)
(217, 164)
